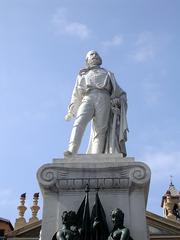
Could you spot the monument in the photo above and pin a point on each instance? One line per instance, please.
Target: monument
(97, 97)
(114, 180)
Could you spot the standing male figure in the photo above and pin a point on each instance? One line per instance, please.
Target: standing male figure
(97, 97)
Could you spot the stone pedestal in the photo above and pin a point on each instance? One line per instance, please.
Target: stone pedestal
(122, 182)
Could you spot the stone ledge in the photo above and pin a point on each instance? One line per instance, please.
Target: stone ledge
(105, 171)
(93, 158)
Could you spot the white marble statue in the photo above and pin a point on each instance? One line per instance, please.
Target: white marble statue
(98, 98)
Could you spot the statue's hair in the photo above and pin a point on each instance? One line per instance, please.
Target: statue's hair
(119, 213)
(69, 218)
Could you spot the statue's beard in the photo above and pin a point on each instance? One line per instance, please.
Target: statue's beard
(94, 62)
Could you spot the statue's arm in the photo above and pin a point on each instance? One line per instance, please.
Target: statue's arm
(118, 94)
(60, 235)
(75, 100)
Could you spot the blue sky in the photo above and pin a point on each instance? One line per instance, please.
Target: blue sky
(42, 46)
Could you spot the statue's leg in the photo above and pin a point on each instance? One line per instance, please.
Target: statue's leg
(84, 115)
(100, 122)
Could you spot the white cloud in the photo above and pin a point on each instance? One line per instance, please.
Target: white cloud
(143, 54)
(67, 27)
(115, 41)
(145, 47)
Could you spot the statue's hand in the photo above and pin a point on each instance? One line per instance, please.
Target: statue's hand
(115, 101)
(68, 117)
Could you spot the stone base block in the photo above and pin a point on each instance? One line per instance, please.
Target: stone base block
(20, 222)
(123, 183)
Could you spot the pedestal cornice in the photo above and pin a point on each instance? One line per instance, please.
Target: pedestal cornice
(95, 170)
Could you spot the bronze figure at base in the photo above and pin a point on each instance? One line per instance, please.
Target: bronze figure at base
(119, 232)
(69, 230)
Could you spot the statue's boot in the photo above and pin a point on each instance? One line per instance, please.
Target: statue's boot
(67, 153)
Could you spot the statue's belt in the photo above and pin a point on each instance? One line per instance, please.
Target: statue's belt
(96, 90)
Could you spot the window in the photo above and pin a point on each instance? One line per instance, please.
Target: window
(1, 233)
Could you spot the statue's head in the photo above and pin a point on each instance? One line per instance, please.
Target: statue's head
(93, 59)
(117, 216)
(69, 218)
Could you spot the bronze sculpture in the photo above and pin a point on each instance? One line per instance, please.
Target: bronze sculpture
(79, 226)
(69, 230)
(119, 232)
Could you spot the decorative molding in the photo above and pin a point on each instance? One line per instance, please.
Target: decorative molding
(47, 176)
(102, 183)
(140, 174)
(75, 175)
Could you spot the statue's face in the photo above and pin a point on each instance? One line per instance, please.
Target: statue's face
(69, 218)
(93, 59)
(117, 216)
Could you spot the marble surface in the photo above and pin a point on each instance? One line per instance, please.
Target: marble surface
(123, 183)
(98, 98)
